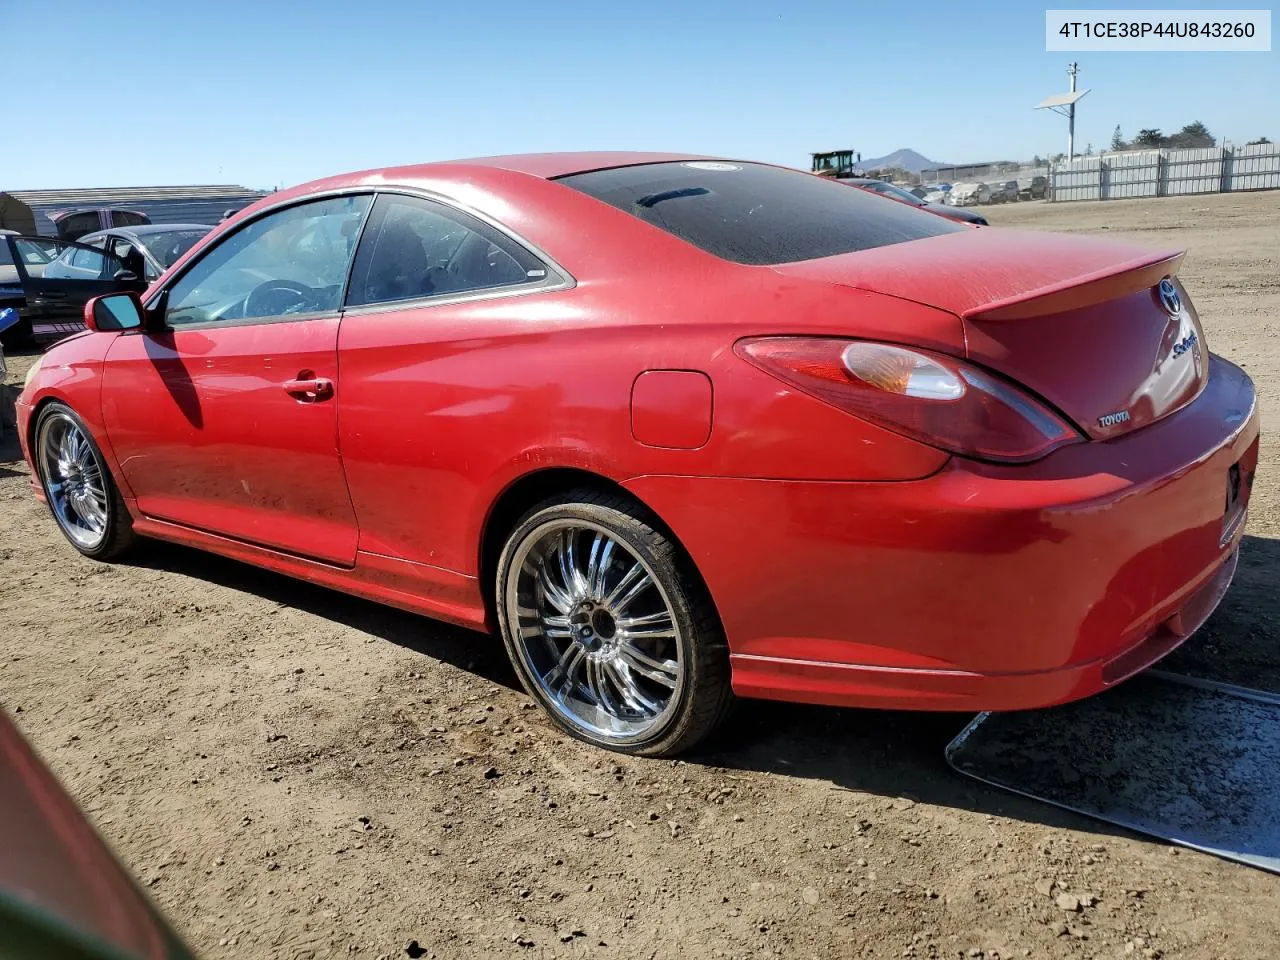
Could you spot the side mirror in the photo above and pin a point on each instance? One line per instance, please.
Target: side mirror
(114, 311)
(124, 276)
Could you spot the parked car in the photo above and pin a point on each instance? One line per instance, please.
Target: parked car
(938, 196)
(1002, 191)
(74, 224)
(8, 318)
(894, 192)
(969, 193)
(146, 251)
(33, 257)
(10, 287)
(681, 429)
(1033, 188)
(922, 190)
(52, 305)
(63, 893)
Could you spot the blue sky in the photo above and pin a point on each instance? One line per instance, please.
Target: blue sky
(268, 93)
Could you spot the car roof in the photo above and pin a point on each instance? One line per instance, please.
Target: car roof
(59, 215)
(510, 190)
(551, 165)
(544, 166)
(146, 229)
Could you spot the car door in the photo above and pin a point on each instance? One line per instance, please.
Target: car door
(223, 413)
(426, 355)
(54, 303)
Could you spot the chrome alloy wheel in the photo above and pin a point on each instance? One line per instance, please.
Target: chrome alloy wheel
(594, 628)
(73, 480)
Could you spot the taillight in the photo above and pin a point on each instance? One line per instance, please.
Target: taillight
(927, 396)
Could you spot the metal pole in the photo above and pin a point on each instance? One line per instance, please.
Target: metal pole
(1071, 116)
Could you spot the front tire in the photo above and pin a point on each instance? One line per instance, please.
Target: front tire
(78, 487)
(608, 627)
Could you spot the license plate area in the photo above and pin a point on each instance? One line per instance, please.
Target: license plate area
(1233, 513)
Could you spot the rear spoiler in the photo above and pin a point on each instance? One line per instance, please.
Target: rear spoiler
(1082, 291)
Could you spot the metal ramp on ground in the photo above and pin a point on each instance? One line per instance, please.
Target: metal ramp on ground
(1191, 761)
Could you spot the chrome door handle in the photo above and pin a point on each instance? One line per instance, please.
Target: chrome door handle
(309, 389)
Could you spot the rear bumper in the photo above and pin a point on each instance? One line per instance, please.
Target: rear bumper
(840, 684)
(982, 587)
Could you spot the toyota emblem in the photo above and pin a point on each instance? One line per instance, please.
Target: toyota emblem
(1169, 298)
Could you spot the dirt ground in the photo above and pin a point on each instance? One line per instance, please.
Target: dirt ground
(293, 773)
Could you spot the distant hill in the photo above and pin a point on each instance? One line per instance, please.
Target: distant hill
(905, 158)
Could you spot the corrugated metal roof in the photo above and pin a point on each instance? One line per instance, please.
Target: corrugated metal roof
(115, 196)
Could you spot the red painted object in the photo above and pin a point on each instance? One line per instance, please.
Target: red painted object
(863, 534)
(62, 891)
(671, 408)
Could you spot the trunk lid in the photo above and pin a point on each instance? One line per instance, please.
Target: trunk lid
(1080, 321)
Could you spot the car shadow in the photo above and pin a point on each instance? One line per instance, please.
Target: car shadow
(1240, 643)
(891, 754)
(465, 649)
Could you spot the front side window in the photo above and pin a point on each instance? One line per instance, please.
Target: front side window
(132, 258)
(415, 248)
(122, 248)
(293, 262)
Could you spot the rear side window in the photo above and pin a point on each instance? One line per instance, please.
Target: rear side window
(76, 225)
(415, 248)
(754, 214)
(127, 218)
(94, 261)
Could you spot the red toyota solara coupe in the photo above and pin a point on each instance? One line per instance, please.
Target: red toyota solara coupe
(680, 429)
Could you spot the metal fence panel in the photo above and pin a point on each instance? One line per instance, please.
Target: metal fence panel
(1193, 171)
(1160, 173)
(1079, 179)
(1131, 175)
(1253, 167)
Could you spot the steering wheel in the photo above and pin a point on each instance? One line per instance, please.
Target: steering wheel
(276, 297)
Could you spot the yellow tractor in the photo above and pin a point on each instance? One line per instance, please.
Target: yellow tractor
(837, 163)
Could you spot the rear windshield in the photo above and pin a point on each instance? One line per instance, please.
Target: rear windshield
(756, 214)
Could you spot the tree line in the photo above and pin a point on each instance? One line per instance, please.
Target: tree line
(1194, 134)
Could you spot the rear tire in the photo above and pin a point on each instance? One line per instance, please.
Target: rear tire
(609, 628)
(78, 487)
